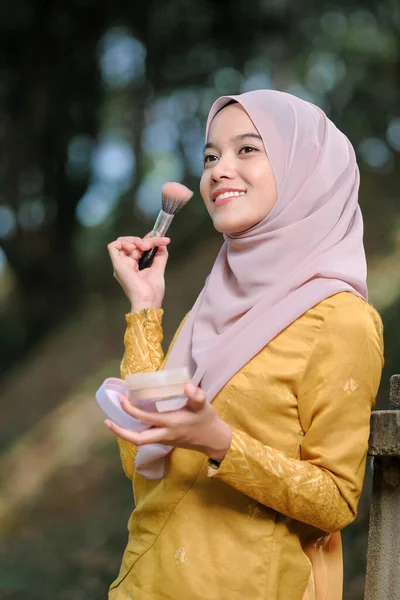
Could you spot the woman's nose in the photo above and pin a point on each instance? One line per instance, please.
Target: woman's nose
(223, 169)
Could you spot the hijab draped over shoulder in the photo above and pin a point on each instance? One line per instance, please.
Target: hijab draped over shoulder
(308, 248)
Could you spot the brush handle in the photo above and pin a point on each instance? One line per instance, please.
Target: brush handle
(146, 260)
(160, 228)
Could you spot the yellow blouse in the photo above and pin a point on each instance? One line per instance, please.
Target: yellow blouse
(264, 524)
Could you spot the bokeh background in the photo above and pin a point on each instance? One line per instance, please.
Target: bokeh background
(101, 103)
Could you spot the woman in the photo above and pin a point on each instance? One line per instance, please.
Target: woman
(285, 354)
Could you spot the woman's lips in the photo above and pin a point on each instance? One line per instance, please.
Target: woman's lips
(225, 197)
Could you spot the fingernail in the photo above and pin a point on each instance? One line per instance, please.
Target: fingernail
(108, 424)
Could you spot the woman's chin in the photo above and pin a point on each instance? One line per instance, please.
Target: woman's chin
(224, 229)
(231, 228)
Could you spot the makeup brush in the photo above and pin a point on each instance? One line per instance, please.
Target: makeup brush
(173, 197)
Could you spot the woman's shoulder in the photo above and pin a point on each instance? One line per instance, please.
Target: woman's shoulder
(346, 314)
(346, 304)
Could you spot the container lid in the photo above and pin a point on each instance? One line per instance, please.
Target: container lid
(157, 378)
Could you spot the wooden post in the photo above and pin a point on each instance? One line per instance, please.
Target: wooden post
(383, 560)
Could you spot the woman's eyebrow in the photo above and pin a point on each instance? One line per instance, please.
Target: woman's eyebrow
(242, 136)
(235, 138)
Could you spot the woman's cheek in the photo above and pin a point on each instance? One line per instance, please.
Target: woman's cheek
(203, 183)
(204, 190)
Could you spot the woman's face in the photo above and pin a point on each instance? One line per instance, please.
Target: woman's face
(237, 185)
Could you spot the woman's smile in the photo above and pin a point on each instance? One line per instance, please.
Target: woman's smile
(224, 195)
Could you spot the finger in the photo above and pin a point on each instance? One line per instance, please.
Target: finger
(122, 261)
(114, 248)
(197, 397)
(153, 242)
(130, 242)
(149, 436)
(122, 241)
(119, 248)
(124, 248)
(154, 419)
(143, 244)
(130, 239)
(131, 250)
(160, 261)
(129, 245)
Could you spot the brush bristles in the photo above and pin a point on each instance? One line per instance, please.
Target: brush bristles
(174, 196)
(172, 205)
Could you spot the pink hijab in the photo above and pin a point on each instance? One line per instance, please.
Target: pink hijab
(308, 248)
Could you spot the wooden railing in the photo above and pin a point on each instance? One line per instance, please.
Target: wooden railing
(383, 561)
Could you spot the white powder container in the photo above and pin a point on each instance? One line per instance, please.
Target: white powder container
(162, 390)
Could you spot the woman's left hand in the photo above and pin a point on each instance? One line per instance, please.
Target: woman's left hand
(195, 427)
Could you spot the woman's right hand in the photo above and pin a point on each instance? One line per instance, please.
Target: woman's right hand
(144, 289)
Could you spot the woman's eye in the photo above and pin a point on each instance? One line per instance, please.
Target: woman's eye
(209, 158)
(247, 149)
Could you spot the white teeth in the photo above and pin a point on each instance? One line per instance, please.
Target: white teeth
(228, 195)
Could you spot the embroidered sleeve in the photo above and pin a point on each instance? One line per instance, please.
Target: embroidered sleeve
(143, 352)
(143, 338)
(335, 398)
